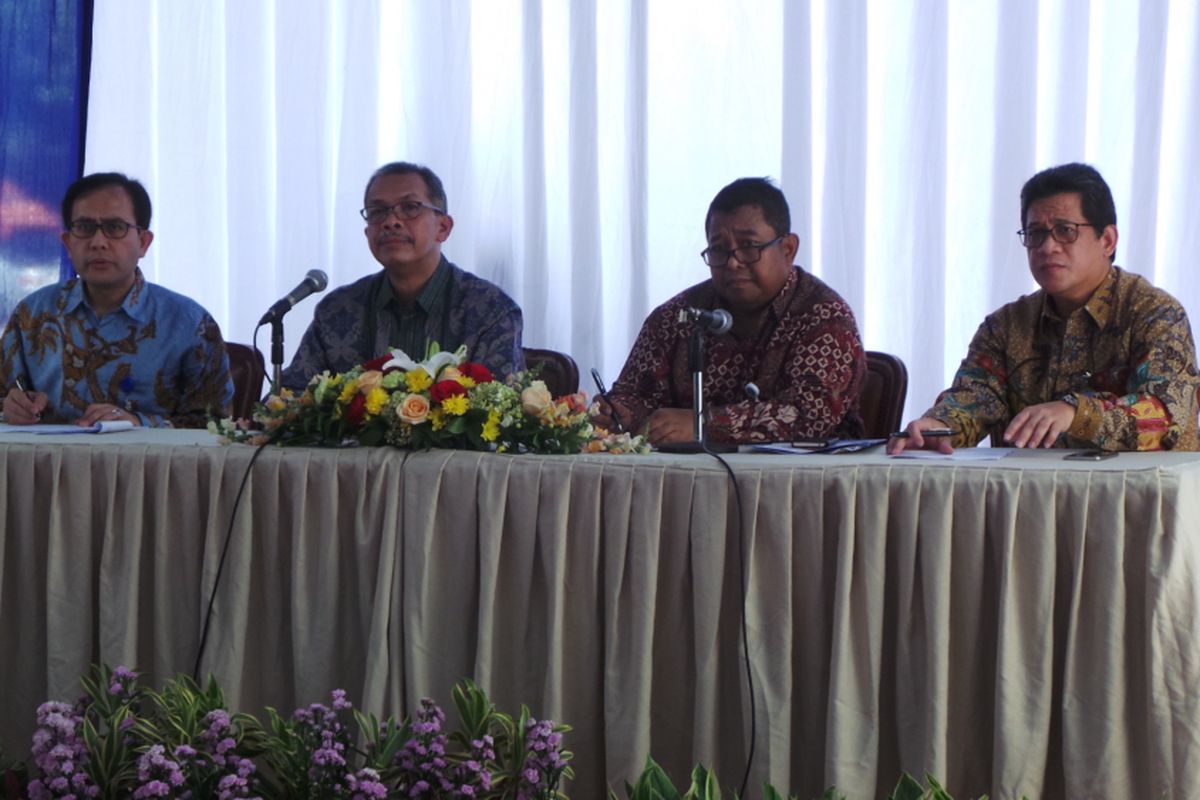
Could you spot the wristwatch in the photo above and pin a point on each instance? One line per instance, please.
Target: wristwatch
(1071, 400)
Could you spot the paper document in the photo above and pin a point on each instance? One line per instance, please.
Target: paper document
(111, 426)
(965, 454)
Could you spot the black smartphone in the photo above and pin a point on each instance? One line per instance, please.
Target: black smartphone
(1090, 455)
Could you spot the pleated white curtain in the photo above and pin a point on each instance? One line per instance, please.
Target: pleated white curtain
(580, 143)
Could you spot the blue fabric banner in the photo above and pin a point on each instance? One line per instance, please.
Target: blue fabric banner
(45, 51)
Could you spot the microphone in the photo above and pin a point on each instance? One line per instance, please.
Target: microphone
(315, 281)
(717, 321)
(752, 391)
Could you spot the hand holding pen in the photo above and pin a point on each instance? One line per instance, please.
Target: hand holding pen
(926, 432)
(22, 406)
(608, 417)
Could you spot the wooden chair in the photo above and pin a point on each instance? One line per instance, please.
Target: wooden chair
(248, 370)
(559, 370)
(883, 394)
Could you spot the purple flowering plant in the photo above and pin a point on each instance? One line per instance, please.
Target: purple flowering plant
(122, 740)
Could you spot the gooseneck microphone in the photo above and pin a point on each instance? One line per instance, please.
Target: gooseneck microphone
(315, 281)
(717, 321)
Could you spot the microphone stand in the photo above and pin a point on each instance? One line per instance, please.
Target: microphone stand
(696, 365)
(276, 353)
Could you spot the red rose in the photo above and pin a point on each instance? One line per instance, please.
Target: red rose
(357, 409)
(477, 372)
(377, 363)
(444, 389)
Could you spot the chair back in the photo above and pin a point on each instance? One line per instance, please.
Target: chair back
(248, 370)
(559, 370)
(883, 394)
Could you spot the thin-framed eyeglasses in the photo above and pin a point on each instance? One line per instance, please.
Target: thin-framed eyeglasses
(746, 254)
(405, 209)
(113, 228)
(1063, 232)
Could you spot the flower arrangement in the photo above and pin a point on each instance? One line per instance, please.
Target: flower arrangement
(443, 401)
(121, 740)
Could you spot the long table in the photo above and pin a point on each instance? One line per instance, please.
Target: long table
(1020, 626)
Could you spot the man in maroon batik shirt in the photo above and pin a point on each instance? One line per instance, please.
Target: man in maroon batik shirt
(792, 336)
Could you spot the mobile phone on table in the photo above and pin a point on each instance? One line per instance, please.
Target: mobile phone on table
(1090, 455)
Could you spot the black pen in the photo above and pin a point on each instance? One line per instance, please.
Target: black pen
(934, 433)
(602, 392)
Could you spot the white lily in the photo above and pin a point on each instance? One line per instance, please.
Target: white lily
(433, 365)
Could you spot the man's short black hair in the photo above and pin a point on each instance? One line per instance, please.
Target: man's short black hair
(761, 192)
(1095, 198)
(433, 184)
(100, 180)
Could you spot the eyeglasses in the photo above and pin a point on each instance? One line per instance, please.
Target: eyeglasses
(1063, 232)
(406, 209)
(113, 228)
(746, 255)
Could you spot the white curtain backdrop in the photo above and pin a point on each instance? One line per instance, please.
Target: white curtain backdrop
(580, 143)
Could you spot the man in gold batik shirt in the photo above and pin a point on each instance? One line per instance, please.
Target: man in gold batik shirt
(1098, 358)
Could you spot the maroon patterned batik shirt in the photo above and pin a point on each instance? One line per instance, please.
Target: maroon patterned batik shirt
(806, 357)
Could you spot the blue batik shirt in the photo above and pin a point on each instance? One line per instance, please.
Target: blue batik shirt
(364, 319)
(159, 355)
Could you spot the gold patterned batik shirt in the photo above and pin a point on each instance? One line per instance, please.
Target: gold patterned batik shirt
(1127, 357)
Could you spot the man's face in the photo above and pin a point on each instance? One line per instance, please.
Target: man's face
(1071, 272)
(749, 287)
(399, 243)
(102, 263)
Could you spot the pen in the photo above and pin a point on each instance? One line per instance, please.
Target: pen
(927, 433)
(601, 391)
(26, 392)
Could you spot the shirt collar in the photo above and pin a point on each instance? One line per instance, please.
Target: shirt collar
(133, 305)
(430, 295)
(1099, 306)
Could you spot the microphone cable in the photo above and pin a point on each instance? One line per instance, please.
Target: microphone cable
(741, 541)
(212, 597)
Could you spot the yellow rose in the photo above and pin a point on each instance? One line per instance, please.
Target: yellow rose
(275, 403)
(535, 398)
(414, 409)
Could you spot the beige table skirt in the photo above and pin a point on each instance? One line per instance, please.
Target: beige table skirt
(1019, 626)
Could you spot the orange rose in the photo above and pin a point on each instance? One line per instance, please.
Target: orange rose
(414, 409)
(369, 380)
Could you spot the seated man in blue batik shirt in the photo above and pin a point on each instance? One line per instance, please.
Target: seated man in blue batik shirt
(417, 298)
(107, 345)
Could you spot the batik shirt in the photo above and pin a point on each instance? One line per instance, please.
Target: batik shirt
(159, 355)
(363, 320)
(806, 359)
(1127, 357)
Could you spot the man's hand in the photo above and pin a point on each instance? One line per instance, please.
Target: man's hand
(669, 425)
(24, 408)
(915, 441)
(105, 412)
(613, 417)
(1040, 425)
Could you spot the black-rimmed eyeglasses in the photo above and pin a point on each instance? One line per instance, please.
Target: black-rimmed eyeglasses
(1063, 232)
(746, 255)
(113, 228)
(406, 209)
